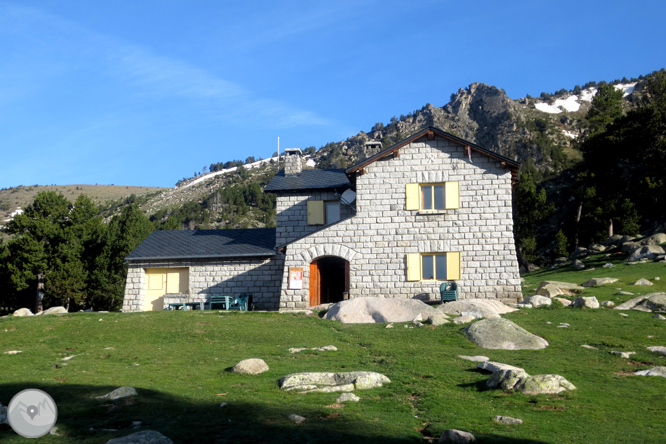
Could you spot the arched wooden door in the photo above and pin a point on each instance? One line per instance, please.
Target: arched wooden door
(329, 279)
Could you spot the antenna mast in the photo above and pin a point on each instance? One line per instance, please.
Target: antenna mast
(278, 154)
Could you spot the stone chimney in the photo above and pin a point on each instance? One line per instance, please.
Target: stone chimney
(292, 162)
(372, 147)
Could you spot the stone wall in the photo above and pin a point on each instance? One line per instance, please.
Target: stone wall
(292, 213)
(261, 277)
(378, 238)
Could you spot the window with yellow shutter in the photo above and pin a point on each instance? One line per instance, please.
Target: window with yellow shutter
(433, 266)
(432, 196)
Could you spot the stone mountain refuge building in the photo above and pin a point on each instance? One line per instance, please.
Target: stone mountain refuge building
(431, 208)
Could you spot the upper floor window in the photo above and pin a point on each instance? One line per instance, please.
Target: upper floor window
(322, 212)
(433, 196)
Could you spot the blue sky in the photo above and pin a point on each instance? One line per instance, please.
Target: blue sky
(130, 92)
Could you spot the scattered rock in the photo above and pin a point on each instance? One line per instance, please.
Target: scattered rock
(589, 347)
(456, 436)
(595, 282)
(645, 252)
(655, 239)
(625, 293)
(503, 334)
(587, 302)
(493, 367)
(372, 310)
(389, 326)
(657, 349)
(464, 320)
(579, 253)
(609, 265)
(506, 379)
(324, 348)
(651, 302)
(23, 312)
(296, 418)
(543, 384)
(624, 315)
(537, 301)
(615, 239)
(596, 248)
(507, 420)
(252, 366)
(55, 310)
(143, 437)
(478, 308)
(654, 371)
(564, 325)
(565, 302)
(608, 304)
(474, 358)
(555, 288)
(659, 317)
(642, 281)
(120, 392)
(438, 319)
(348, 397)
(13, 352)
(578, 265)
(625, 355)
(332, 382)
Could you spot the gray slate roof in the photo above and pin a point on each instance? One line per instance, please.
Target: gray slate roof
(195, 244)
(309, 180)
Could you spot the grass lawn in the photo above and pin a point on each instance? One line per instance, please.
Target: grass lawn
(178, 363)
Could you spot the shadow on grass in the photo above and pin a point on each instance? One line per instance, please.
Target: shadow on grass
(84, 419)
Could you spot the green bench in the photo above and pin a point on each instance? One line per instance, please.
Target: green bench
(242, 302)
(448, 291)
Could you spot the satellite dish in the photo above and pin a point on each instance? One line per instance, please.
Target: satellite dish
(348, 197)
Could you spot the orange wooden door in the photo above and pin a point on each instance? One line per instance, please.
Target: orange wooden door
(315, 278)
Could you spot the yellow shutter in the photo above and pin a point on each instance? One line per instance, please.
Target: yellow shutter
(453, 266)
(413, 197)
(452, 195)
(413, 267)
(315, 212)
(155, 280)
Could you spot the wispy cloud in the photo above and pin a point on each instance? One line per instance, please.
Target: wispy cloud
(151, 74)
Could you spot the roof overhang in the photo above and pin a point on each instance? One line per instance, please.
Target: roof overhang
(430, 133)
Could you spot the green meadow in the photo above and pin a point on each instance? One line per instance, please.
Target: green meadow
(179, 363)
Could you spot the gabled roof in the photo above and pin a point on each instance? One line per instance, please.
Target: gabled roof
(309, 180)
(430, 133)
(209, 244)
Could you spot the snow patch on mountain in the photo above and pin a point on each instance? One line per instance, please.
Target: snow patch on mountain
(572, 103)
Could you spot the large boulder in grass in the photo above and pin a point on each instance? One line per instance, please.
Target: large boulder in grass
(595, 282)
(555, 288)
(655, 239)
(543, 384)
(55, 310)
(23, 312)
(652, 302)
(372, 310)
(253, 366)
(332, 382)
(646, 251)
(478, 308)
(503, 334)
